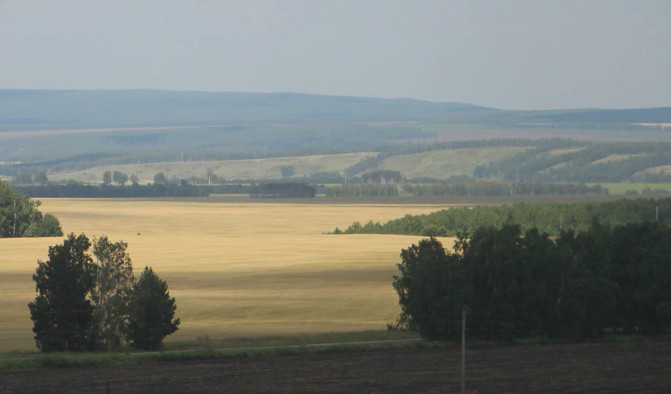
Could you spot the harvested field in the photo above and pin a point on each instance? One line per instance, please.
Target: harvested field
(574, 368)
(235, 269)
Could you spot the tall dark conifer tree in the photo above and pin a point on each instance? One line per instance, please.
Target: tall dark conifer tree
(62, 312)
(151, 312)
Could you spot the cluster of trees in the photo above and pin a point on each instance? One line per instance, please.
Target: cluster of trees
(362, 190)
(579, 285)
(118, 177)
(551, 218)
(20, 217)
(84, 303)
(27, 178)
(382, 177)
(287, 171)
(121, 178)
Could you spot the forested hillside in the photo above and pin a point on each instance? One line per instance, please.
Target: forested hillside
(570, 161)
(550, 218)
(60, 132)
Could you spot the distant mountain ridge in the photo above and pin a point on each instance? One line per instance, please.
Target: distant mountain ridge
(80, 128)
(41, 109)
(45, 109)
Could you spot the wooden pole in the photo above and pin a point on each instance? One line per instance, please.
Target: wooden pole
(463, 351)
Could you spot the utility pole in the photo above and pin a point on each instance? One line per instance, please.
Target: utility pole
(463, 351)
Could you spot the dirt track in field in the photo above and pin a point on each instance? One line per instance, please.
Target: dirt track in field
(574, 368)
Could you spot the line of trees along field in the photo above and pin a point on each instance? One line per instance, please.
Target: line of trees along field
(169, 189)
(551, 218)
(515, 285)
(300, 189)
(87, 304)
(20, 216)
(461, 188)
(541, 161)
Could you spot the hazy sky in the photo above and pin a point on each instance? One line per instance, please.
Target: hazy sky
(528, 54)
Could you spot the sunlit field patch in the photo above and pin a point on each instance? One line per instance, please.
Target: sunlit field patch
(236, 269)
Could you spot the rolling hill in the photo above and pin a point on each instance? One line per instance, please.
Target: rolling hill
(69, 132)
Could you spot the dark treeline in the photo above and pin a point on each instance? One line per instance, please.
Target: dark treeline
(282, 190)
(579, 285)
(75, 190)
(551, 218)
(361, 190)
(500, 189)
(460, 188)
(182, 189)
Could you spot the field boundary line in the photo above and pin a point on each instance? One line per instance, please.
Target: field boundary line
(277, 347)
(227, 349)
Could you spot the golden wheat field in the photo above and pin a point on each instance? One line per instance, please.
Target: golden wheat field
(235, 269)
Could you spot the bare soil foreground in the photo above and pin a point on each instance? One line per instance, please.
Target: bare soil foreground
(572, 368)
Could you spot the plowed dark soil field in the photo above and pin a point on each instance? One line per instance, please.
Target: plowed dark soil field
(573, 368)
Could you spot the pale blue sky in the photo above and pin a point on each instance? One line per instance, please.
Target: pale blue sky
(530, 54)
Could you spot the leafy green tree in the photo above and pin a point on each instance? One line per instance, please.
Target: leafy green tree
(382, 176)
(62, 312)
(107, 177)
(20, 217)
(493, 260)
(119, 177)
(134, 179)
(111, 296)
(160, 178)
(287, 171)
(151, 312)
(44, 226)
(589, 299)
(427, 290)
(41, 178)
(642, 268)
(23, 178)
